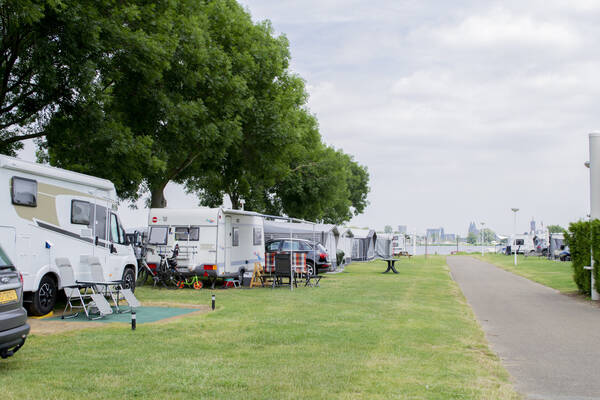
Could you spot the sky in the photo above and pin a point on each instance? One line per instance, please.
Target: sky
(460, 110)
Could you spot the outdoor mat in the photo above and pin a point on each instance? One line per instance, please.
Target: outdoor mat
(143, 315)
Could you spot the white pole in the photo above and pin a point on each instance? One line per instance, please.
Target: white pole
(514, 240)
(594, 165)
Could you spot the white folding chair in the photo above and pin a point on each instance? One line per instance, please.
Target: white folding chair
(73, 293)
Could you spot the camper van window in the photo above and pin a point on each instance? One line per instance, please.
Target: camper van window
(257, 236)
(100, 222)
(24, 192)
(158, 235)
(235, 237)
(81, 212)
(185, 233)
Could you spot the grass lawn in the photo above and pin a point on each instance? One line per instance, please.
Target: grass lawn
(362, 335)
(555, 274)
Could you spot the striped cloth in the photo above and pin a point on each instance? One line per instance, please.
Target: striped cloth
(270, 262)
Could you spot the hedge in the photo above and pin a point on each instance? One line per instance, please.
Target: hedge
(580, 241)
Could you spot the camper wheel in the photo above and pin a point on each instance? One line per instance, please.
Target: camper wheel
(44, 298)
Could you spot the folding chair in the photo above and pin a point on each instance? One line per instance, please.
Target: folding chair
(73, 293)
(109, 289)
(282, 270)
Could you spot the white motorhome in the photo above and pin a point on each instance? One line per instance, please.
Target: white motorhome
(398, 244)
(50, 212)
(521, 243)
(213, 242)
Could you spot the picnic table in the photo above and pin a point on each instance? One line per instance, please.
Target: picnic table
(390, 265)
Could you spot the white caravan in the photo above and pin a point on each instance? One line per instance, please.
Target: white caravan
(50, 212)
(398, 244)
(213, 242)
(522, 244)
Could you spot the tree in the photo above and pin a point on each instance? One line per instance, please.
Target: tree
(556, 229)
(388, 229)
(472, 238)
(488, 235)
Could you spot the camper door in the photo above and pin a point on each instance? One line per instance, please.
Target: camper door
(228, 242)
(118, 250)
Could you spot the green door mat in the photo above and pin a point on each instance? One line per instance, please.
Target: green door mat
(143, 315)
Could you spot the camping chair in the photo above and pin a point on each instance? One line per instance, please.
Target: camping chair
(109, 289)
(282, 270)
(73, 293)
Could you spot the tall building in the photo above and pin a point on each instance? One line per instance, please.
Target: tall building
(473, 228)
(401, 228)
(532, 226)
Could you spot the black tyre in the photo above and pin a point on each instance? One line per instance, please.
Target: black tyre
(129, 279)
(310, 268)
(44, 298)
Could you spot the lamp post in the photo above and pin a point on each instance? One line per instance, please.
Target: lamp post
(512, 245)
(594, 166)
(482, 236)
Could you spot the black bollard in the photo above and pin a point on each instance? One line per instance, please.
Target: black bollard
(133, 320)
(213, 302)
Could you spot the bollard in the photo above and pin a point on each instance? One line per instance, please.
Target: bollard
(213, 302)
(133, 320)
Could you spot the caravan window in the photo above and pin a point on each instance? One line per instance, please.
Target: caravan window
(158, 235)
(235, 237)
(81, 212)
(24, 192)
(257, 236)
(188, 234)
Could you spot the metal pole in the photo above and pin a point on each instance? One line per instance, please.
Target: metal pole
(594, 165)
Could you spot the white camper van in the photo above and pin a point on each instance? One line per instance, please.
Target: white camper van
(213, 242)
(50, 212)
(521, 243)
(398, 244)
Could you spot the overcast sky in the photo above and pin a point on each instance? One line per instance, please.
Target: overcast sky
(460, 110)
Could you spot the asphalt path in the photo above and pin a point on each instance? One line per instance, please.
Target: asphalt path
(548, 342)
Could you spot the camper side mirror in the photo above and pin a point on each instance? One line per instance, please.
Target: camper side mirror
(113, 249)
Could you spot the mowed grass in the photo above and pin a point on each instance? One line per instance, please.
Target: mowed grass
(361, 335)
(555, 274)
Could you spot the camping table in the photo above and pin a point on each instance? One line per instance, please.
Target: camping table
(390, 265)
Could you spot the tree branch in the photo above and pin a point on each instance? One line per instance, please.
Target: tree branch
(14, 139)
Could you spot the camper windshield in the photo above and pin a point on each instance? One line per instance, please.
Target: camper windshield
(158, 235)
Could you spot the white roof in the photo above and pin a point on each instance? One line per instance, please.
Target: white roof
(55, 173)
(192, 216)
(282, 226)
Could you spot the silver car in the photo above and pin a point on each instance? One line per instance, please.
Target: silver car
(13, 317)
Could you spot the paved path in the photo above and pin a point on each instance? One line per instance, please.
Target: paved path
(548, 342)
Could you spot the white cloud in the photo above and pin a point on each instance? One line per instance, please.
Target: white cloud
(498, 27)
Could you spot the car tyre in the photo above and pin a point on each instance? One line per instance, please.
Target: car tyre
(44, 298)
(310, 268)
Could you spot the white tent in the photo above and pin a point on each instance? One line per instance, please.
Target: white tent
(383, 245)
(363, 245)
(345, 243)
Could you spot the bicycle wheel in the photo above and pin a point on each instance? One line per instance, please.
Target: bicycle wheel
(198, 285)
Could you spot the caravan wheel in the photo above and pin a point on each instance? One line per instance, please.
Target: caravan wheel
(44, 298)
(129, 279)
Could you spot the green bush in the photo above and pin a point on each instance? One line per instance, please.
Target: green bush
(339, 257)
(580, 240)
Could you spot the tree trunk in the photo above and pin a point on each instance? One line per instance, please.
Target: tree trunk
(157, 196)
(235, 201)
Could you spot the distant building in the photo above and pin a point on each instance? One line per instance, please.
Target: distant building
(450, 237)
(401, 228)
(532, 226)
(473, 228)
